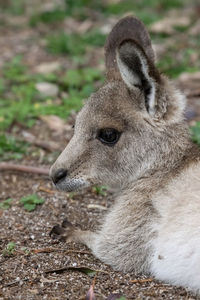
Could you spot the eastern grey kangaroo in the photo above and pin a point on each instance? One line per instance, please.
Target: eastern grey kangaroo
(131, 136)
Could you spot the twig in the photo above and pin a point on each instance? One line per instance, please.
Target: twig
(27, 169)
(49, 146)
(90, 294)
(30, 138)
(77, 269)
(15, 282)
(78, 251)
(46, 190)
(141, 280)
(49, 250)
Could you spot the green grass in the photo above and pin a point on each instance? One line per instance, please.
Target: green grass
(48, 17)
(6, 203)
(81, 77)
(9, 249)
(74, 44)
(18, 108)
(148, 10)
(157, 6)
(195, 132)
(14, 69)
(30, 202)
(14, 7)
(10, 148)
(174, 67)
(100, 190)
(2, 86)
(20, 102)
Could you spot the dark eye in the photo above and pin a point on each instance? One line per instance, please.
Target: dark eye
(108, 136)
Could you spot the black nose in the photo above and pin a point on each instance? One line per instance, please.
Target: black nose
(60, 174)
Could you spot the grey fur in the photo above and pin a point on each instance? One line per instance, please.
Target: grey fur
(153, 150)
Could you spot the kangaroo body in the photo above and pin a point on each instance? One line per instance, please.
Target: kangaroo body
(131, 136)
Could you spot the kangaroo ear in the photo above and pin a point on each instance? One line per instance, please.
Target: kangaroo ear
(128, 28)
(136, 70)
(129, 56)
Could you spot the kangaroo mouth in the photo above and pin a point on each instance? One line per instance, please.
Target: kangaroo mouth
(70, 185)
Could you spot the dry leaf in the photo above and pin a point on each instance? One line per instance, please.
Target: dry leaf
(85, 270)
(195, 29)
(73, 26)
(54, 123)
(141, 280)
(167, 25)
(46, 68)
(189, 76)
(47, 89)
(189, 83)
(96, 206)
(90, 294)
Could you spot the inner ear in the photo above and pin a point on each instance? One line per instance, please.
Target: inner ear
(137, 71)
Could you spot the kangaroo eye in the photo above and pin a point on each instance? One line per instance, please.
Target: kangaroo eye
(108, 136)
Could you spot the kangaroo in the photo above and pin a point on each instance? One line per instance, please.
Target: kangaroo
(131, 136)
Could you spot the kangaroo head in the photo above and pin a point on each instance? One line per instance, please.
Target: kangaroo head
(130, 126)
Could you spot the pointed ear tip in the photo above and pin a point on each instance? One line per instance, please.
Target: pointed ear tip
(125, 28)
(131, 29)
(130, 20)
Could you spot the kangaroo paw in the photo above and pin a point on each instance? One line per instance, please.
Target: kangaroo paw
(63, 232)
(67, 224)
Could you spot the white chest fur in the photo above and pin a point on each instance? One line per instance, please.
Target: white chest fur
(176, 248)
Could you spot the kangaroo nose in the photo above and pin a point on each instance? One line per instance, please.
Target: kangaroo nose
(60, 174)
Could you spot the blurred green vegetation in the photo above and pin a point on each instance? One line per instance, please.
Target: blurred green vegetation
(148, 10)
(174, 67)
(9, 249)
(6, 204)
(74, 44)
(30, 202)
(20, 102)
(195, 131)
(11, 148)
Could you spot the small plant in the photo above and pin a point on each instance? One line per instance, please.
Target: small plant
(31, 201)
(195, 131)
(9, 249)
(72, 195)
(6, 203)
(100, 190)
(26, 250)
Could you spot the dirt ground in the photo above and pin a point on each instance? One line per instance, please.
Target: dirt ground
(24, 275)
(42, 267)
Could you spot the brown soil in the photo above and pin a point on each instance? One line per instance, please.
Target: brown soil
(23, 275)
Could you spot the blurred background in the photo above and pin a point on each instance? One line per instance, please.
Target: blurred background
(51, 59)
